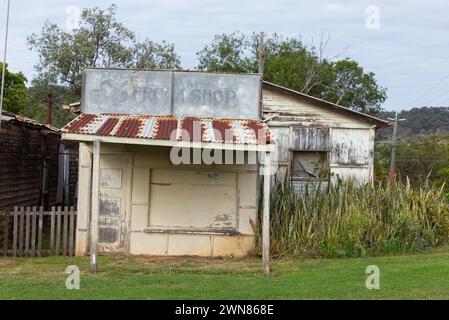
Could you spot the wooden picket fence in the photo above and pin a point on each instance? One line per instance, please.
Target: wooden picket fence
(31, 232)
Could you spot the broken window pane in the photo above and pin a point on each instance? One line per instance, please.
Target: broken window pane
(310, 165)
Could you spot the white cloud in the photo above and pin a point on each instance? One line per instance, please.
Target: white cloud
(338, 7)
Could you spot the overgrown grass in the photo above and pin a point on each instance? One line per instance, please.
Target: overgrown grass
(347, 220)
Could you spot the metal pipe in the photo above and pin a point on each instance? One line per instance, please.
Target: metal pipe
(4, 63)
(95, 206)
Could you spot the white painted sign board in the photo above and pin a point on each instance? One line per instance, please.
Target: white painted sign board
(179, 93)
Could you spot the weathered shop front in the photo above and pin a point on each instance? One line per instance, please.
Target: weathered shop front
(169, 162)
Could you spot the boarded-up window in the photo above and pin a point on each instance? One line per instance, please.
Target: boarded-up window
(309, 166)
(193, 199)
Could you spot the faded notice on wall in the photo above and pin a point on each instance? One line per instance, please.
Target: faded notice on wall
(111, 178)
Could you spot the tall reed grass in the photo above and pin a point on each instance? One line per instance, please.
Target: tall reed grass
(347, 220)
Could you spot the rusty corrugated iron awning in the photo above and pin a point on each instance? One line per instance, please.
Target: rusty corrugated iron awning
(236, 131)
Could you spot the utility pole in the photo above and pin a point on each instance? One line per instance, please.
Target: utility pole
(50, 103)
(261, 54)
(266, 175)
(392, 172)
(261, 70)
(4, 62)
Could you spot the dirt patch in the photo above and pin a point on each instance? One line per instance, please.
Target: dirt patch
(192, 259)
(198, 262)
(7, 263)
(185, 264)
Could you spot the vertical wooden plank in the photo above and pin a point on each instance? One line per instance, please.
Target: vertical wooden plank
(33, 232)
(266, 214)
(14, 231)
(64, 231)
(27, 232)
(95, 206)
(39, 232)
(58, 231)
(22, 220)
(52, 231)
(5, 233)
(71, 230)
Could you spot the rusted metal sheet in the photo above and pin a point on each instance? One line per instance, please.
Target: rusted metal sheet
(310, 139)
(172, 128)
(171, 93)
(128, 127)
(166, 129)
(107, 127)
(194, 129)
(81, 122)
(257, 128)
(224, 129)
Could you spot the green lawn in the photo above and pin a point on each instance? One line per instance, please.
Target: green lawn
(421, 276)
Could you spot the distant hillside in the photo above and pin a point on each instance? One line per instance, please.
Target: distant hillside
(419, 121)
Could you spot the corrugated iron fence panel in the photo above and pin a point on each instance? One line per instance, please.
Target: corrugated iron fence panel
(33, 232)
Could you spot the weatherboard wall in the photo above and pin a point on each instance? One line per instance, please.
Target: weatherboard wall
(302, 126)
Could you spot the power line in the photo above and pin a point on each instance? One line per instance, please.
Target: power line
(438, 96)
(442, 102)
(428, 91)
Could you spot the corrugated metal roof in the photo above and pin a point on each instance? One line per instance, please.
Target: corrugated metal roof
(9, 116)
(171, 128)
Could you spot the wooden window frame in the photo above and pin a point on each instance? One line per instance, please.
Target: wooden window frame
(290, 165)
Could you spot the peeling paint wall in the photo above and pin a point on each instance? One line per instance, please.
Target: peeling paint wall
(298, 125)
(178, 210)
(309, 138)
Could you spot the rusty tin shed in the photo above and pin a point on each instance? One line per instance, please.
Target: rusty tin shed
(135, 195)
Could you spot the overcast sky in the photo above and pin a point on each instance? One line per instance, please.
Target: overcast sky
(407, 47)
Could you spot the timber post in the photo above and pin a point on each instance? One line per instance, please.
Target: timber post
(266, 213)
(95, 206)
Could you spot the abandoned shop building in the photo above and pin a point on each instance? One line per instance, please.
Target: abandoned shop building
(170, 162)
